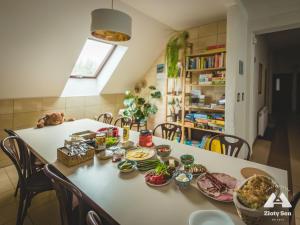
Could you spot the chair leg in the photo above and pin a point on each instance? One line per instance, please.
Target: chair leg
(21, 208)
(17, 188)
(26, 205)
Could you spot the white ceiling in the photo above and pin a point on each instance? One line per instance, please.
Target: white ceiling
(261, 8)
(182, 14)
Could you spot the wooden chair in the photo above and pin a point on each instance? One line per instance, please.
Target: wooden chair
(168, 130)
(71, 204)
(31, 182)
(93, 219)
(138, 125)
(36, 164)
(123, 121)
(231, 145)
(105, 117)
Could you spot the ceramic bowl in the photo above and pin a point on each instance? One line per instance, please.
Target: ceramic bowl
(165, 153)
(183, 184)
(187, 159)
(127, 170)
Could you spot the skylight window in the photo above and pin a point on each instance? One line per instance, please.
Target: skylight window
(92, 59)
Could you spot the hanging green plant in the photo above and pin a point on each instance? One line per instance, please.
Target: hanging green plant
(177, 42)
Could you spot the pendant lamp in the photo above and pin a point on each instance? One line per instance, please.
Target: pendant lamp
(111, 24)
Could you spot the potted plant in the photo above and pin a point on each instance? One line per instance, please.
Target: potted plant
(175, 104)
(172, 110)
(140, 108)
(174, 45)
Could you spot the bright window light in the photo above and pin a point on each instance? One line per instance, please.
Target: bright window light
(92, 58)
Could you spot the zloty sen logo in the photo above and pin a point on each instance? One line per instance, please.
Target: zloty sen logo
(277, 200)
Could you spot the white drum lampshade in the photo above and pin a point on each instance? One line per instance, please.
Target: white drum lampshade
(111, 25)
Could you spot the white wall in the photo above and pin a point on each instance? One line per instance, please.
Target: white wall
(263, 17)
(261, 56)
(41, 40)
(235, 113)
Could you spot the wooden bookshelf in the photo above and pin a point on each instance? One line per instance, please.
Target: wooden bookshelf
(209, 52)
(205, 109)
(187, 86)
(196, 128)
(207, 85)
(207, 69)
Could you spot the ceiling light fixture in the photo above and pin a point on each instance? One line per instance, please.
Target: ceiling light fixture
(111, 24)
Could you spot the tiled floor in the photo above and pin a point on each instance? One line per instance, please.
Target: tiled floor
(43, 210)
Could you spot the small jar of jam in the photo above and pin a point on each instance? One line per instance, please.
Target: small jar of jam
(145, 139)
(115, 132)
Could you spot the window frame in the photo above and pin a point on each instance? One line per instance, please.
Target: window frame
(101, 65)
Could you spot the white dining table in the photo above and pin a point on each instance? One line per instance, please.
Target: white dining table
(126, 197)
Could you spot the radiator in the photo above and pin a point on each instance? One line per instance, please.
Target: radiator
(262, 121)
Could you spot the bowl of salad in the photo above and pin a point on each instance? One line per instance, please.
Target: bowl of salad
(183, 178)
(250, 197)
(127, 166)
(163, 150)
(158, 176)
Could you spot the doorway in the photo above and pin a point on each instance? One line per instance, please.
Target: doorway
(282, 93)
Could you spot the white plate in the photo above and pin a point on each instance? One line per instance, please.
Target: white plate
(150, 154)
(209, 217)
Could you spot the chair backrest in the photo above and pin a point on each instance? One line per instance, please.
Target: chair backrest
(105, 117)
(123, 121)
(68, 196)
(93, 219)
(168, 130)
(231, 145)
(13, 143)
(21, 158)
(294, 202)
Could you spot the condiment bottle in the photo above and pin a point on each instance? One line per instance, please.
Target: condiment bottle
(126, 133)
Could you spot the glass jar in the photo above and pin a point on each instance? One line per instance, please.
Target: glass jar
(145, 139)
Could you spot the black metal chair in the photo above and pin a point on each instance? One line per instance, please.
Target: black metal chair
(105, 117)
(123, 121)
(31, 182)
(168, 130)
(73, 204)
(138, 125)
(231, 145)
(294, 201)
(36, 164)
(93, 219)
(72, 207)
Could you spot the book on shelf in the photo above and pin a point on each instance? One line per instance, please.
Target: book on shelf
(212, 78)
(207, 62)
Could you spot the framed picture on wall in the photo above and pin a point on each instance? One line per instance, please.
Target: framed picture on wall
(260, 78)
(160, 71)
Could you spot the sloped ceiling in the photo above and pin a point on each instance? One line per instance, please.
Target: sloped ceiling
(182, 14)
(41, 40)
